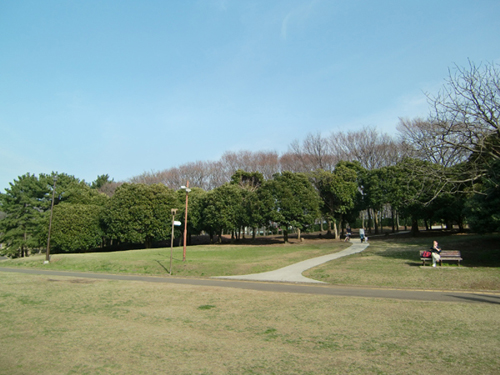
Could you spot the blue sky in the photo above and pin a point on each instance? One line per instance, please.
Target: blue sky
(122, 87)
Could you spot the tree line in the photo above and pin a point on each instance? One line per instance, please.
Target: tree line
(441, 169)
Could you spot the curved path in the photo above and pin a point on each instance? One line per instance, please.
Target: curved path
(290, 280)
(293, 273)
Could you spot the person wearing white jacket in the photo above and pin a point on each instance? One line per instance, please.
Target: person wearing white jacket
(435, 249)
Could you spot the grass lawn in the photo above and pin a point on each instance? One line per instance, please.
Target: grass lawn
(395, 263)
(388, 262)
(64, 325)
(61, 325)
(201, 261)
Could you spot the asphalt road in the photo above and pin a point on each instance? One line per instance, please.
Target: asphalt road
(317, 289)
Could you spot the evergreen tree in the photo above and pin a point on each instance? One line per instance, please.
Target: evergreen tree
(23, 204)
(296, 202)
(140, 214)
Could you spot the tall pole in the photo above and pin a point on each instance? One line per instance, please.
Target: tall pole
(185, 223)
(174, 211)
(47, 253)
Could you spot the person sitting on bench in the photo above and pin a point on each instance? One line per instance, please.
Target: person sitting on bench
(348, 234)
(435, 249)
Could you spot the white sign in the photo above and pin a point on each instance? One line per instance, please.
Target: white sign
(177, 223)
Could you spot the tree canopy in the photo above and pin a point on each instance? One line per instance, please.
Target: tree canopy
(296, 202)
(23, 204)
(139, 213)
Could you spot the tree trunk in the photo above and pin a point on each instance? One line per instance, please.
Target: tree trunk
(460, 224)
(372, 217)
(25, 236)
(414, 226)
(285, 235)
(341, 226)
(368, 220)
(329, 224)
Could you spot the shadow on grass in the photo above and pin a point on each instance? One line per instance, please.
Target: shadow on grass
(162, 266)
(479, 298)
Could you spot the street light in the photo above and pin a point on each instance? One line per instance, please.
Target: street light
(185, 221)
(47, 253)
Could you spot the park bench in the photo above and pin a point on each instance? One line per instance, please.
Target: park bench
(453, 255)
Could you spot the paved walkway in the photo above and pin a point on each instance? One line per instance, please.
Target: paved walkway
(293, 273)
(315, 289)
(291, 282)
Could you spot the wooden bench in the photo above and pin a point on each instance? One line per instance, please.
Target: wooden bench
(453, 255)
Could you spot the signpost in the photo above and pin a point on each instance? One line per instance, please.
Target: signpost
(174, 223)
(47, 254)
(188, 190)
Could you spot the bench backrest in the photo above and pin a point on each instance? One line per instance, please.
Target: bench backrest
(450, 253)
(446, 253)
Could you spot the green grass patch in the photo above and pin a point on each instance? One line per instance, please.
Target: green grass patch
(201, 261)
(206, 307)
(391, 262)
(395, 263)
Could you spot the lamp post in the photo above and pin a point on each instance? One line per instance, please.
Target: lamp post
(47, 253)
(185, 220)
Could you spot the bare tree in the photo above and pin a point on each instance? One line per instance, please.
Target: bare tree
(110, 188)
(267, 163)
(463, 128)
(372, 149)
(425, 142)
(232, 161)
(290, 162)
(195, 173)
(319, 152)
(314, 153)
(147, 178)
(217, 175)
(171, 178)
(467, 110)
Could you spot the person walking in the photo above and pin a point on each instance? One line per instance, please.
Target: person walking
(435, 250)
(362, 234)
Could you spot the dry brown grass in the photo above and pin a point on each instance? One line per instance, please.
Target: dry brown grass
(61, 325)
